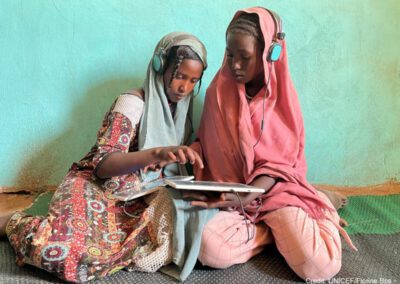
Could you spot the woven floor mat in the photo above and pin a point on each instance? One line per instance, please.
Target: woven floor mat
(372, 214)
(378, 259)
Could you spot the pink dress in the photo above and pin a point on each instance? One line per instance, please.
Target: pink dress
(240, 141)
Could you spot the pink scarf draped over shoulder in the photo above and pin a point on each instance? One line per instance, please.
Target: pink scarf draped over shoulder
(230, 127)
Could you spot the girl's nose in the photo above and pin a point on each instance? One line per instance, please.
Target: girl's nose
(183, 88)
(236, 64)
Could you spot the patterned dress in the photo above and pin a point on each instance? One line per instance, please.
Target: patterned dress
(87, 234)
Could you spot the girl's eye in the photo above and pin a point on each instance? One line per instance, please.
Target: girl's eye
(229, 55)
(194, 81)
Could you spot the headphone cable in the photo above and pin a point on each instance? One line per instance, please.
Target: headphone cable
(263, 105)
(247, 220)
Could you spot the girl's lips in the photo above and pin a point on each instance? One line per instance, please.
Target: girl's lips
(179, 97)
(238, 75)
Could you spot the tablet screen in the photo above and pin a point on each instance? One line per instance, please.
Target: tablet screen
(146, 188)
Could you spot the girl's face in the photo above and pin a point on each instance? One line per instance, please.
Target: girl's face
(187, 75)
(244, 57)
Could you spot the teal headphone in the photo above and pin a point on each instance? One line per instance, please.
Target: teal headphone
(159, 60)
(275, 49)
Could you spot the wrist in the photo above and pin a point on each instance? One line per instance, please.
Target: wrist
(251, 197)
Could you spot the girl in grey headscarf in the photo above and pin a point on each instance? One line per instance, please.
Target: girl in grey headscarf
(87, 233)
(177, 65)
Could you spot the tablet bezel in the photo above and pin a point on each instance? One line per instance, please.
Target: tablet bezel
(213, 186)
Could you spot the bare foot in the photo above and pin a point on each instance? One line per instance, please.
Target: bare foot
(338, 200)
(4, 218)
(343, 222)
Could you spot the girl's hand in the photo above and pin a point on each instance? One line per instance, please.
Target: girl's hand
(152, 167)
(180, 154)
(222, 200)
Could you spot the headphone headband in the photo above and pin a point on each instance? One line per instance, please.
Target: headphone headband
(279, 34)
(275, 48)
(162, 50)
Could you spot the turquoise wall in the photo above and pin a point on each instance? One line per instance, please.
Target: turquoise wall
(62, 64)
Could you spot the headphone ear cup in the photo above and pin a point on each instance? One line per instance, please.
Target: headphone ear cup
(158, 61)
(274, 52)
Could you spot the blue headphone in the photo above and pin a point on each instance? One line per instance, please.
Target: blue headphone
(274, 51)
(159, 60)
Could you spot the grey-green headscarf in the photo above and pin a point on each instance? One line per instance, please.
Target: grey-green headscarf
(157, 126)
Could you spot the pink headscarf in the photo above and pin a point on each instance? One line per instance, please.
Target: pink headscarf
(230, 127)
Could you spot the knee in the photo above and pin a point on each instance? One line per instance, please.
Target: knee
(225, 241)
(214, 250)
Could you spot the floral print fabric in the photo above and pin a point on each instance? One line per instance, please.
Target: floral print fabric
(87, 234)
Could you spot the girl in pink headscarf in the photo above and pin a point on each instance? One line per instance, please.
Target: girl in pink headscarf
(252, 132)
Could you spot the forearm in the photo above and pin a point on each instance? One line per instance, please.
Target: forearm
(265, 182)
(119, 163)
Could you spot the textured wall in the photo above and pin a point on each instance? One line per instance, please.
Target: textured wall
(63, 63)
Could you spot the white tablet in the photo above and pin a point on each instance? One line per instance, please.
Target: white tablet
(213, 186)
(146, 188)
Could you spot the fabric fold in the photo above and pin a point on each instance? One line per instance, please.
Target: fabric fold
(189, 222)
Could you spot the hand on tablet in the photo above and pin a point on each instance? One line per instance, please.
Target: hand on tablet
(180, 154)
(222, 200)
(152, 167)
